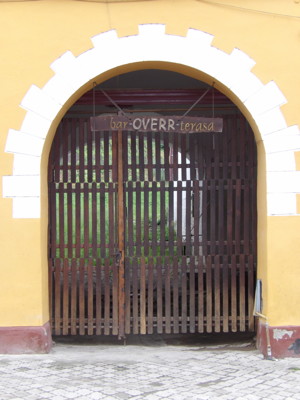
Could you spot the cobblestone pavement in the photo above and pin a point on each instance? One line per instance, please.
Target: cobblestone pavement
(150, 370)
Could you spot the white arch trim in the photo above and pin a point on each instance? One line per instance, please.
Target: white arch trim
(153, 44)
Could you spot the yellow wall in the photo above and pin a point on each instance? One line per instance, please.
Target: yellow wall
(34, 34)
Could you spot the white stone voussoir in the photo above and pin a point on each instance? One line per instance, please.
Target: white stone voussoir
(152, 43)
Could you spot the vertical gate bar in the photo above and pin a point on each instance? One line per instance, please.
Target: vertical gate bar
(175, 158)
(78, 219)
(233, 294)
(213, 216)
(81, 296)
(107, 296)
(138, 222)
(162, 221)
(250, 294)
(175, 296)
(106, 157)
(183, 295)
(217, 308)
(200, 295)
(97, 136)
(157, 158)
(81, 150)
(74, 268)
(237, 214)
(150, 156)
(133, 144)
(98, 296)
(154, 218)
(86, 220)
(225, 311)
(129, 219)
(121, 242)
(73, 139)
(102, 220)
(159, 290)
(179, 219)
(150, 297)
(166, 156)
(221, 222)
(115, 298)
(146, 221)
(141, 164)
(61, 220)
(112, 216)
(196, 214)
(192, 295)
(205, 228)
(192, 152)
(242, 305)
(167, 295)
(125, 147)
(184, 176)
(90, 311)
(171, 222)
(128, 302)
(94, 221)
(57, 298)
(229, 217)
(65, 150)
(89, 143)
(115, 157)
(246, 211)
(209, 320)
(188, 218)
(242, 150)
(135, 293)
(143, 297)
(66, 320)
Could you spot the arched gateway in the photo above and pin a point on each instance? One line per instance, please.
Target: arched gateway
(152, 230)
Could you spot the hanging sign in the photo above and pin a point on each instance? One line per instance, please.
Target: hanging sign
(148, 123)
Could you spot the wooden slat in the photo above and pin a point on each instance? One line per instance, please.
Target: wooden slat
(138, 222)
(146, 219)
(157, 158)
(200, 295)
(209, 294)
(154, 218)
(141, 165)
(162, 219)
(225, 311)
(167, 295)
(90, 294)
(143, 296)
(159, 299)
(242, 302)
(179, 219)
(135, 297)
(192, 305)
(98, 321)
(116, 276)
(65, 325)
(233, 294)
(217, 295)
(107, 296)
(175, 296)
(130, 241)
(57, 302)
(150, 297)
(133, 137)
(183, 295)
(81, 299)
(128, 282)
(74, 274)
(250, 294)
(150, 156)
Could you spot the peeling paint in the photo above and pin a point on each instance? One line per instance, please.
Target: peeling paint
(279, 334)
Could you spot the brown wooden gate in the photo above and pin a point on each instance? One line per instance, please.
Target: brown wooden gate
(152, 232)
